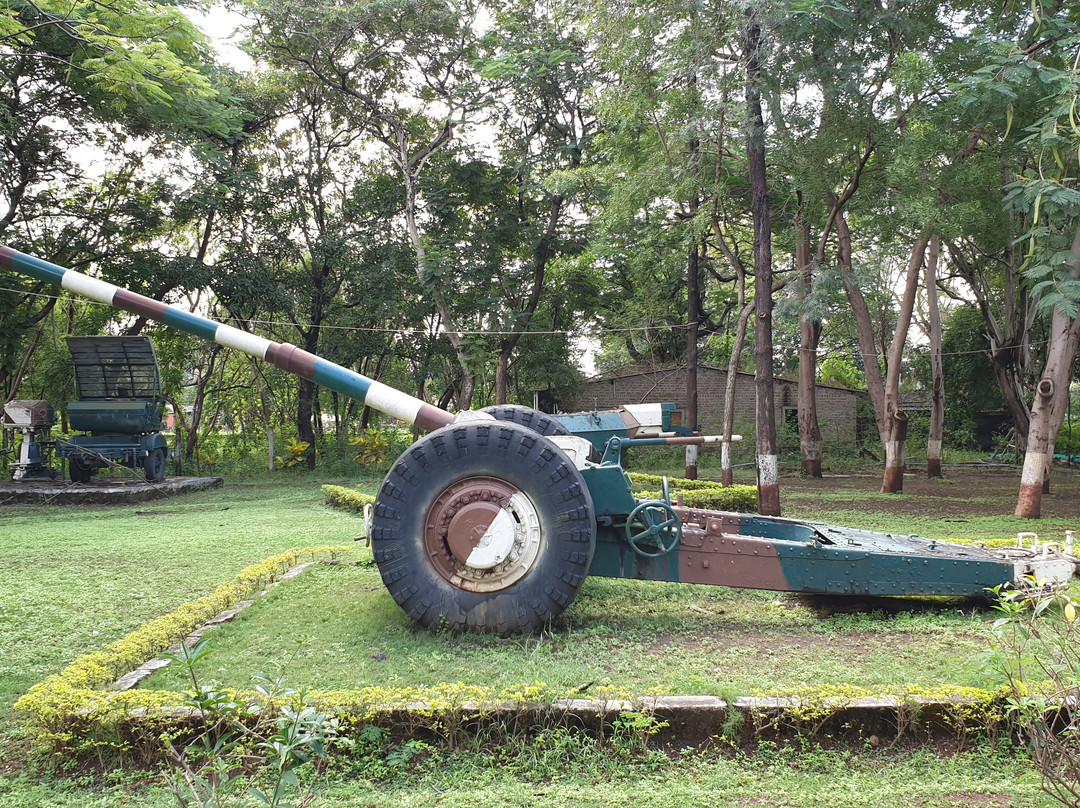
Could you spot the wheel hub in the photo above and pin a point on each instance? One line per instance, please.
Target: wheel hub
(482, 534)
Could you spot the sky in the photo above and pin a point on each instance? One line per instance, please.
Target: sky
(221, 25)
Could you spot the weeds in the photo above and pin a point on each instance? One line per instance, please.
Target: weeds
(1036, 645)
(273, 749)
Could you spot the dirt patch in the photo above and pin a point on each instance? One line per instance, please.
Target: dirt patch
(963, 492)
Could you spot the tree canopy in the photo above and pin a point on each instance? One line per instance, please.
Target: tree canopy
(456, 195)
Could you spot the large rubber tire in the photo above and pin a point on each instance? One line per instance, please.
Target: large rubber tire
(464, 469)
(154, 465)
(78, 470)
(527, 417)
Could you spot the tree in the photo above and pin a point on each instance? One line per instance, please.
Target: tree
(937, 384)
(1038, 78)
(125, 79)
(767, 460)
(403, 70)
(543, 74)
(316, 246)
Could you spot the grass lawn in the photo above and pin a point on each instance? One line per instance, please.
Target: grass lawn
(75, 579)
(632, 637)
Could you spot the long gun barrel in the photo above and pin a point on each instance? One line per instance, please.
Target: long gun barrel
(288, 357)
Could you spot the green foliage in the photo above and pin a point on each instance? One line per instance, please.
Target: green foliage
(371, 447)
(269, 740)
(971, 387)
(296, 452)
(345, 498)
(1036, 647)
(138, 60)
(841, 371)
(698, 493)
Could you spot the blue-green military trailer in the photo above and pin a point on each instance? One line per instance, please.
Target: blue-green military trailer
(120, 408)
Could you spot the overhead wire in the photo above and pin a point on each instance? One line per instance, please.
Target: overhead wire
(594, 332)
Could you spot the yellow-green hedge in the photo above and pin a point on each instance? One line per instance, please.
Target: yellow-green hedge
(73, 713)
(72, 710)
(699, 493)
(346, 499)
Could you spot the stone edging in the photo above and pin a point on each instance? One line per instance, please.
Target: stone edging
(136, 677)
(689, 719)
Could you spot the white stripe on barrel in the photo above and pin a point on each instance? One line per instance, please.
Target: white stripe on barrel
(393, 402)
(237, 339)
(85, 286)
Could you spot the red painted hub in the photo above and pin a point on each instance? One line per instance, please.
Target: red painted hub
(458, 519)
(482, 534)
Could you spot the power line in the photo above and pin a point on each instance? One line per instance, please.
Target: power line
(592, 332)
(401, 331)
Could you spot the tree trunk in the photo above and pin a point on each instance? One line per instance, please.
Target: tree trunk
(729, 389)
(1051, 401)
(896, 420)
(767, 461)
(468, 383)
(693, 317)
(502, 373)
(937, 399)
(875, 386)
(304, 430)
(305, 405)
(1009, 332)
(810, 443)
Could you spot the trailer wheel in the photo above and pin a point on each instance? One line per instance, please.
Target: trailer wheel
(527, 417)
(154, 465)
(483, 526)
(79, 470)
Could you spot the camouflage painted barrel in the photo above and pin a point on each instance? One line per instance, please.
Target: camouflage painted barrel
(288, 357)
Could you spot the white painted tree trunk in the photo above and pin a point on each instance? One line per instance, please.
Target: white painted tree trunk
(1051, 400)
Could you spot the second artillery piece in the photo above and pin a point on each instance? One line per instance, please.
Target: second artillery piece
(493, 520)
(120, 408)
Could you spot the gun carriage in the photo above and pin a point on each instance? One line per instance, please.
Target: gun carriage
(493, 520)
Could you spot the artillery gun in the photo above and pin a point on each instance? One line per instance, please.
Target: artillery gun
(493, 520)
(120, 407)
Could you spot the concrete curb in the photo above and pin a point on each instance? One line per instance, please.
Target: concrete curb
(100, 491)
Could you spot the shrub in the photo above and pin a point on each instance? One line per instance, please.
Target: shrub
(296, 452)
(346, 499)
(1036, 645)
(371, 447)
(699, 493)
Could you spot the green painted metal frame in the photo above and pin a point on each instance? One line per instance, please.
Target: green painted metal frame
(758, 552)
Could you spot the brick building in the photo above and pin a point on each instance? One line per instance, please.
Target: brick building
(836, 405)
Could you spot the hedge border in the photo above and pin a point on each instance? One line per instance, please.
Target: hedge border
(74, 713)
(699, 493)
(346, 499)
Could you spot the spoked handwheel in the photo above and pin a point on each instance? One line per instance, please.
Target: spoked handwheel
(653, 528)
(485, 526)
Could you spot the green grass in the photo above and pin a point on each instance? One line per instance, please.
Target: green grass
(634, 637)
(78, 577)
(561, 768)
